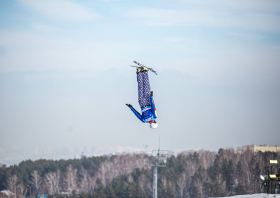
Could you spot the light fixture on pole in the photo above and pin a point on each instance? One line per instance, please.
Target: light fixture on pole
(158, 159)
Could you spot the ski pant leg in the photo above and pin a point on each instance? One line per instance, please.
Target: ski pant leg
(147, 88)
(141, 99)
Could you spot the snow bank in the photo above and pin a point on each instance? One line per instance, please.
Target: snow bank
(262, 195)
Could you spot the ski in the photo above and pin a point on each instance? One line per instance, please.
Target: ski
(140, 65)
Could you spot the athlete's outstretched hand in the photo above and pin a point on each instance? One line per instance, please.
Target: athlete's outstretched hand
(152, 93)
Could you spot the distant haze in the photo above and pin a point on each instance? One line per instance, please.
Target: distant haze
(88, 109)
(65, 76)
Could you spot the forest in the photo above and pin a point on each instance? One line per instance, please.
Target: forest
(191, 174)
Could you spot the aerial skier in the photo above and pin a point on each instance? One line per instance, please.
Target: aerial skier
(145, 97)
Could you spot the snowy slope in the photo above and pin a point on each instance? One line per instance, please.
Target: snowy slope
(262, 195)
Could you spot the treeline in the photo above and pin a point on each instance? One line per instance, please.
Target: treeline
(190, 174)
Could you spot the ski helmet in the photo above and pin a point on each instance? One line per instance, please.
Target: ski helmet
(153, 125)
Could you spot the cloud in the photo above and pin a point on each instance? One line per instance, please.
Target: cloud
(61, 10)
(34, 51)
(206, 17)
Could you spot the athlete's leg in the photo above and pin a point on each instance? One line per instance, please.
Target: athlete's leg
(147, 88)
(141, 99)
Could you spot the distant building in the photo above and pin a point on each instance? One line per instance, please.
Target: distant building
(6, 194)
(262, 148)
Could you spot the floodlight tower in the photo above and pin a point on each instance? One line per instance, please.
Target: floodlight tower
(158, 159)
(271, 181)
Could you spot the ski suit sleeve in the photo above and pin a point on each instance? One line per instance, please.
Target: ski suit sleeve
(136, 113)
(153, 107)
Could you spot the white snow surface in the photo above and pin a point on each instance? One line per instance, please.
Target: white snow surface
(262, 195)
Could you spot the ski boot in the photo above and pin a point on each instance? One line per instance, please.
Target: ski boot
(142, 68)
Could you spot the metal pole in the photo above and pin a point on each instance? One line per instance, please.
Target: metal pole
(29, 191)
(270, 182)
(155, 181)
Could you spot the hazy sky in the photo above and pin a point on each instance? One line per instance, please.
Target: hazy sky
(65, 75)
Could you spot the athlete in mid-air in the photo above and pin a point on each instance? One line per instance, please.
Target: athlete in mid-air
(145, 97)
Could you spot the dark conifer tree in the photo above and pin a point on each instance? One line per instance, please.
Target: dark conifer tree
(110, 193)
(99, 191)
(169, 192)
(240, 189)
(217, 190)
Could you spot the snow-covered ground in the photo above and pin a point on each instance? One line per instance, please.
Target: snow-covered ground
(262, 195)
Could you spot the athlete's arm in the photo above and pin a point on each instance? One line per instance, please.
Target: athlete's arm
(153, 106)
(135, 112)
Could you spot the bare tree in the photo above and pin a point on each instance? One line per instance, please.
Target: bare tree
(206, 158)
(246, 158)
(52, 182)
(199, 187)
(36, 181)
(142, 181)
(121, 165)
(71, 178)
(18, 189)
(85, 178)
(181, 182)
(92, 184)
(21, 190)
(12, 184)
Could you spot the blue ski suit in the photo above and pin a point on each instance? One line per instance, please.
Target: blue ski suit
(145, 99)
(149, 113)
